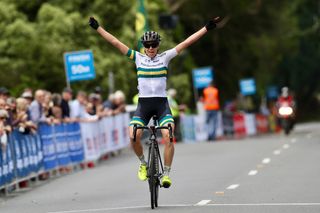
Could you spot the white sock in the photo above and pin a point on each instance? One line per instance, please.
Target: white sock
(166, 170)
(142, 160)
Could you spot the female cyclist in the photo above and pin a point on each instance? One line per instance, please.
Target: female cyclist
(152, 69)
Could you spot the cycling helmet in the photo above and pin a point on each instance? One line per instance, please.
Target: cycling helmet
(150, 36)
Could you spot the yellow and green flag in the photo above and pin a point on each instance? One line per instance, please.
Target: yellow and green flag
(141, 23)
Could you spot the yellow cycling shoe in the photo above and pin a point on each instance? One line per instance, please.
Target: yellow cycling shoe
(142, 174)
(166, 181)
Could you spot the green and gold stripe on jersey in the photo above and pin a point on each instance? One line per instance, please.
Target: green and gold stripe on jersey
(166, 119)
(137, 121)
(131, 54)
(152, 72)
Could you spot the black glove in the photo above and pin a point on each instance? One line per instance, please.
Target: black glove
(93, 23)
(212, 23)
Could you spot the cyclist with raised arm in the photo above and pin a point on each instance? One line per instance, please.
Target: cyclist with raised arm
(152, 69)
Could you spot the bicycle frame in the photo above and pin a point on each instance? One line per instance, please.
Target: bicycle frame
(154, 158)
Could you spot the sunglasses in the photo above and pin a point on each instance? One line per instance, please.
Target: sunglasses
(153, 45)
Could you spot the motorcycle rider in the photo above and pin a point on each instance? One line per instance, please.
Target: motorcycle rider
(285, 99)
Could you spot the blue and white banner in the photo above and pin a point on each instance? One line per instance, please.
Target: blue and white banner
(48, 146)
(247, 86)
(79, 65)
(202, 77)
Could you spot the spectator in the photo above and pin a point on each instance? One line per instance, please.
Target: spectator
(36, 109)
(28, 96)
(56, 110)
(4, 93)
(22, 119)
(95, 106)
(211, 105)
(78, 107)
(66, 98)
(3, 129)
(119, 104)
(107, 104)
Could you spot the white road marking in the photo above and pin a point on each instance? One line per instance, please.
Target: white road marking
(293, 140)
(309, 135)
(188, 205)
(253, 172)
(118, 208)
(277, 152)
(266, 160)
(264, 204)
(285, 146)
(233, 186)
(203, 203)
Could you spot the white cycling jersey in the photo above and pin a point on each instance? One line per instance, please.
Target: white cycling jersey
(152, 72)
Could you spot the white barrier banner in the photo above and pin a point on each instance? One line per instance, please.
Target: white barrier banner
(250, 123)
(201, 133)
(87, 133)
(219, 130)
(106, 135)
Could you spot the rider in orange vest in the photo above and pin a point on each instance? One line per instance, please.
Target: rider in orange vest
(211, 105)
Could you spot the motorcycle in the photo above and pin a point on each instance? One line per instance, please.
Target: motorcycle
(286, 116)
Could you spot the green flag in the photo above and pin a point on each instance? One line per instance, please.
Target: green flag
(141, 23)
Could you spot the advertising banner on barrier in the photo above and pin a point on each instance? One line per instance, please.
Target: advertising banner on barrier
(250, 123)
(48, 146)
(62, 149)
(89, 139)
(187, 128)
(262, 123)
(200, 128)
(106, 135)
(239, 125)
(75, 143)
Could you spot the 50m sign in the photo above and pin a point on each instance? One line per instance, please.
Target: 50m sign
(79, 65)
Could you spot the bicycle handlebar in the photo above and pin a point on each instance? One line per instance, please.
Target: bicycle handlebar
(153, 130)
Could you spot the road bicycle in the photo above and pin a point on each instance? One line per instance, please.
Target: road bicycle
(155, 166)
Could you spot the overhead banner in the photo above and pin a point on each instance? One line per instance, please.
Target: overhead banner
(79, 65)
(202, 77)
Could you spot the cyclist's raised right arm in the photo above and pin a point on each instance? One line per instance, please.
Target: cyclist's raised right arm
(107, 36)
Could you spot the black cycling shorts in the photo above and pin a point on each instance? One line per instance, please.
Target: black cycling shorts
(148, 107)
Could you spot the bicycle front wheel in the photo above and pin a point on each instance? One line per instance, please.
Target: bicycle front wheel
(153, 179)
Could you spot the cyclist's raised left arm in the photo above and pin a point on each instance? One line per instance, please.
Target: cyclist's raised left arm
(197, 35)
(108, 37)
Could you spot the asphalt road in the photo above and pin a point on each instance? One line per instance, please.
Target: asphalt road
(271, 173)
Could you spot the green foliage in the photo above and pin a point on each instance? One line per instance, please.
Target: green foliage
(276, 42)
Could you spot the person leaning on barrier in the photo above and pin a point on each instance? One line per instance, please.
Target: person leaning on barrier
(36, 110)
(4, 128)
(21, 118)
(66, 98)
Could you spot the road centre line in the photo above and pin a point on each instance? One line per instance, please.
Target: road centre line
(252, 172)
(202, 203)
(285, 146)
(277, 152)
(233, 186)
(266, 160)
